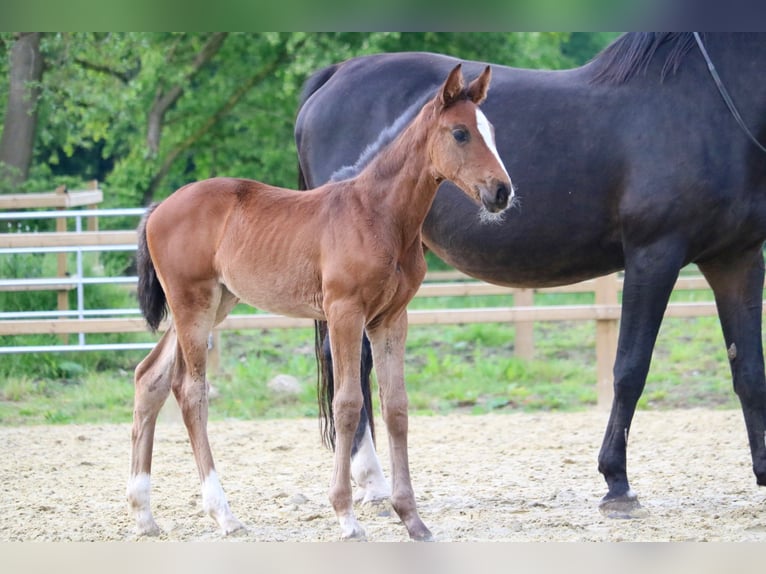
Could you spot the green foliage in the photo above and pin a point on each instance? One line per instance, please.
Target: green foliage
(234, 106)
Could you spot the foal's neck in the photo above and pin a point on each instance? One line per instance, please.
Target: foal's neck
(400, 178)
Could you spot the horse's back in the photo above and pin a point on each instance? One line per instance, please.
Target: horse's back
(595, 163)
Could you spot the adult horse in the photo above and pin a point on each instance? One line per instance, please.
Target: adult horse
(215, 242)
(634, 161)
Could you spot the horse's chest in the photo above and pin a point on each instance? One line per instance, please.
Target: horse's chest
(399, 286)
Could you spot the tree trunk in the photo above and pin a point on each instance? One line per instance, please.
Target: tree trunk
(18, 138)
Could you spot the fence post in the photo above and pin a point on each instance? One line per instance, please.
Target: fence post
(606, 341)
(93, 221)
(525, 330)
(61, 267)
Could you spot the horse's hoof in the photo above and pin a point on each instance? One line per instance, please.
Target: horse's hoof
(148, 528)
(422, 536)
(237, 531)
(625, 506)
(233, 527)
(356, 535)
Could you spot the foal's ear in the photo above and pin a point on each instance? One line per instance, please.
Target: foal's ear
(477, 90)
(452, 88)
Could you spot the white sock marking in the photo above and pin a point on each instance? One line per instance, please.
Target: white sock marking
(213, 499)
(367, 472)
(138, 491)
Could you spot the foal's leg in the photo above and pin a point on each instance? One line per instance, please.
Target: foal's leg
(650, 274)
(388, 344)
(204, 306)
(737, 281)
(152, 386)
(345, 326)
(366, 470)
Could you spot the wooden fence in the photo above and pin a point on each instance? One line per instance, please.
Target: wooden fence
(605, 311)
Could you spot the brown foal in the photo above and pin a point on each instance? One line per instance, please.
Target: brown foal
(348, 253)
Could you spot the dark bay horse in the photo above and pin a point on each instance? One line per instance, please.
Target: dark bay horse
(349, 253)
(634, 161)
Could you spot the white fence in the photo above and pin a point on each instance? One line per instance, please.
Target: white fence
(84, 239)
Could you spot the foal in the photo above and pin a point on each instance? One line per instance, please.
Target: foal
(348, 253)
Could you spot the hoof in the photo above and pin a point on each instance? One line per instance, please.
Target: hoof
(233, 527)
(422, 536)
(350, 529)
(146, 526)
(356, 535)
(151, 531)
(624, 507)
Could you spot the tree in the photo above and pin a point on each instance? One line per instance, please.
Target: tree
(19, 125)
(148, 112)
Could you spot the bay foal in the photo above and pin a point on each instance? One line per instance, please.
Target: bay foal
(348, 253)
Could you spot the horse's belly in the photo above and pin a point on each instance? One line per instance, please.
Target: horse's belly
(277, 297)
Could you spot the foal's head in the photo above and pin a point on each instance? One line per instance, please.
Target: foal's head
(462, 143)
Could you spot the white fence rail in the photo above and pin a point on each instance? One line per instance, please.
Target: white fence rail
(19, 241)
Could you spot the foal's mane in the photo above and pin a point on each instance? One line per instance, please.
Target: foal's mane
(385, 137)
(389, 134)
(631, 54)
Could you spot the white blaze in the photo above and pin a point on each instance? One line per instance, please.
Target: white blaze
(485, 129)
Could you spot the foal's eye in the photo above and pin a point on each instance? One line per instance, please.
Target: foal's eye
(461, 135)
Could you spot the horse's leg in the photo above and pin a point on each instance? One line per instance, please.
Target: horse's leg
(152, 386)
(366, 469)
(388, 343)
(345, 327)
(737, 281)
(650, 273)
(193, 324)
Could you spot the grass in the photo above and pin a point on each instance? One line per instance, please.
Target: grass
(467, 368)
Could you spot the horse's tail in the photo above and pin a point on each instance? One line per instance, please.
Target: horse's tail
(325, 385)
(151, 296)
(326, 388)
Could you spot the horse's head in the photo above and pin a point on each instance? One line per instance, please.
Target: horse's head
(462, 145)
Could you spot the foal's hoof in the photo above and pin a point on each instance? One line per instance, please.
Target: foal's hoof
(146, 526)
(230, 526)
(150, 530)
(356, 535)
(422, 535)
(625, 506)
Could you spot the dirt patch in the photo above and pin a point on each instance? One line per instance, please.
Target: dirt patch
(504, 477)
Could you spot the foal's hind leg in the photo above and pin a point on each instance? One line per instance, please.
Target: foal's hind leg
(207, 305)
(737, 281)
(152, 386)
(388, 343)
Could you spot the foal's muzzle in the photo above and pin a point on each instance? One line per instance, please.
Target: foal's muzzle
(495, 197)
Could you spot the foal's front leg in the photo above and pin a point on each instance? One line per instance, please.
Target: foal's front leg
(388, 343)
(346, 329)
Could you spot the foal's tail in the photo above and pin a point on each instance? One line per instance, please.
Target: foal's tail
(151, 296)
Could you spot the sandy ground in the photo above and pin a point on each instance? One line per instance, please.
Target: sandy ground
(509, 477)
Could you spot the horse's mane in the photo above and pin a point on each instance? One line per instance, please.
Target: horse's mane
(385, 137)
(631, 54)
